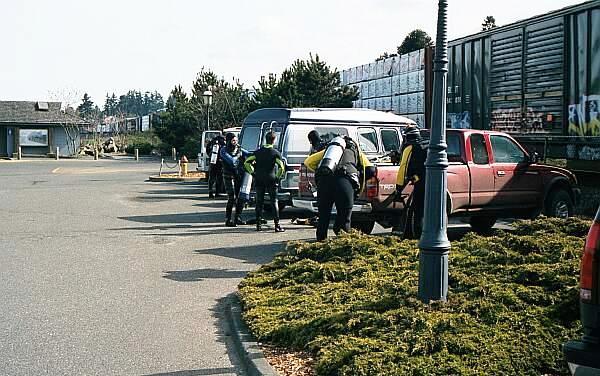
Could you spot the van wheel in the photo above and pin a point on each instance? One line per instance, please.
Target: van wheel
(365, 227)
(559, 204)
(482, 224)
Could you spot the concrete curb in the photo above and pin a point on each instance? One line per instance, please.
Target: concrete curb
(248, 351)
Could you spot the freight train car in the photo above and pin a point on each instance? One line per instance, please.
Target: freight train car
(537, 79)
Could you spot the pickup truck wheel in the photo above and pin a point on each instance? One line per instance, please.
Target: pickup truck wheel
(482, 225)
(365, 227)
(559, 204)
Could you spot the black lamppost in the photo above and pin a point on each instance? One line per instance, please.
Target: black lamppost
(434, 244)
(208, 99)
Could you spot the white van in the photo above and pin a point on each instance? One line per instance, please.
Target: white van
(378, 133)
(208, 136)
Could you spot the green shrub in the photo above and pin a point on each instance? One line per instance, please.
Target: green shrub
(512, 302)
(145, 148)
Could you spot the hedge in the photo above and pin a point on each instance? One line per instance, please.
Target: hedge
(352, 301)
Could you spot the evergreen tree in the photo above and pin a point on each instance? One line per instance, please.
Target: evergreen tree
(86, 108)
(415, 40)
(489, 23)
(230, 101)
(178, 126)
(307, 83)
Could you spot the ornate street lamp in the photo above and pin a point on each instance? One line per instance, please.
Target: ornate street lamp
(434, 245)
(207, 96)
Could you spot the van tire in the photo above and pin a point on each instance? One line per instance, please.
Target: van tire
(281, 206)
(559, 204)
(366, 227)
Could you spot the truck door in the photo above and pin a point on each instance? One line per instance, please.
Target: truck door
(482, 174)
(516, 185)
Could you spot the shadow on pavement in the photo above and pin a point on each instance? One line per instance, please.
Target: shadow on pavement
(210, 217)
(256, 254)
(198, 372)
(198, 275)
(181, 191)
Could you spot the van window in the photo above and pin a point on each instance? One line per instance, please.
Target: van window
(327, 134)
(250, 137)
(208, 137)
(367, 140)
(297, 137)
(390, 140)
(278, 131)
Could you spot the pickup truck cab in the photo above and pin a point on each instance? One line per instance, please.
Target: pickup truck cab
(490, 176)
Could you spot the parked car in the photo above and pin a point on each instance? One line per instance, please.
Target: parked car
(583, 356)
(377, 132)
(208, 136)
(490, 176)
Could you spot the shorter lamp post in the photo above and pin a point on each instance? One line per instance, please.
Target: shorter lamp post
(207, 96)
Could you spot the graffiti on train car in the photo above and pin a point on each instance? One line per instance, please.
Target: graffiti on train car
(517, 120)
(584, 117)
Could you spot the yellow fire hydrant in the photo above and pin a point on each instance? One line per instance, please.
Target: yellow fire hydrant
(184, 165)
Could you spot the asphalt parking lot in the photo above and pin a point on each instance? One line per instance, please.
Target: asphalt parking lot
(102, 272)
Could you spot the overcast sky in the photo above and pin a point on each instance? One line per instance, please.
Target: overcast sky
(99, 47)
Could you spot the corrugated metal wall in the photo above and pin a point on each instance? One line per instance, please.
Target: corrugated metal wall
(584, 73)
(539, 77)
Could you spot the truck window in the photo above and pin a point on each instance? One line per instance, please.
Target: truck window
(390, 140)
(505, 150)
(454, 149)
(367, 140)
(479, 149)
(250, 137)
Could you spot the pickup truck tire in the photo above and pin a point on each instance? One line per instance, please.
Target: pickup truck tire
(559, 204)
(365, 227)
(482, 224)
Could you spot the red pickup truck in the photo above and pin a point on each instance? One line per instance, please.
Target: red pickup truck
(490, 176)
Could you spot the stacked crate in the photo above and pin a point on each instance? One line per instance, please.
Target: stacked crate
(395, 84)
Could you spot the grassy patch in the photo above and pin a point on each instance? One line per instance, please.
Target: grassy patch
(352, 301)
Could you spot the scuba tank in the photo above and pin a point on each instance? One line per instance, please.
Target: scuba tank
(332, 156)
(246, 187)
(215, 154)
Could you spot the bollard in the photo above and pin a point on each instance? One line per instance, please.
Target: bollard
(184, 165)
(174, 154)
(95, 154)
(19, 153)
(137, 154)
(57, 152)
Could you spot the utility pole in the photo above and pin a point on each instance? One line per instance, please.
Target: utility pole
(434, 245)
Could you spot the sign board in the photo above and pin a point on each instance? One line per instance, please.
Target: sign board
(33, 137)
(145, 123)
